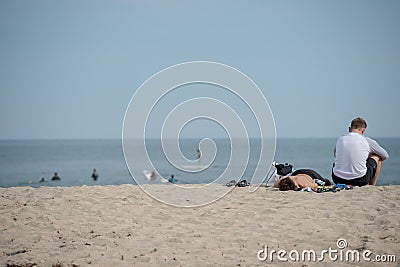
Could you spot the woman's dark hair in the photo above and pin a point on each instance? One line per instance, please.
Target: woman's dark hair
(286, 184)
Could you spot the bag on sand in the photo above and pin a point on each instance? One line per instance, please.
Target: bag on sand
(284, 169)
(278, 170)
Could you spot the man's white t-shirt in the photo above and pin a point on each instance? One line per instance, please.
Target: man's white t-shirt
(352, 151)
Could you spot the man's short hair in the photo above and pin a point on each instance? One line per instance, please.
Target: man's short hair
(286, 184)
(358, 123)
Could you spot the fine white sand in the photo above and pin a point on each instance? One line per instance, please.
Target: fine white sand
(122, 226)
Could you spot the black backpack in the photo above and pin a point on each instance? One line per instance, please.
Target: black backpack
(284, 169)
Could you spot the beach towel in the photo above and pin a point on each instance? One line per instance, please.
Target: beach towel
(329, 188)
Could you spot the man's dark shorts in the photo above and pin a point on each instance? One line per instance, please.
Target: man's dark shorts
(371, 170)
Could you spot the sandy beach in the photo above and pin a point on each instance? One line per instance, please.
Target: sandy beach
(122, 226)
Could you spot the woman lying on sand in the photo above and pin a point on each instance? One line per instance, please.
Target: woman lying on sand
(300, 179)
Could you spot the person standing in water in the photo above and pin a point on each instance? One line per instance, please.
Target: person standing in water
(95, 175)
(172, 179)
(56, 177)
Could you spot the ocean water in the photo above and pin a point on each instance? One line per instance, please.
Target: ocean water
(25, 162)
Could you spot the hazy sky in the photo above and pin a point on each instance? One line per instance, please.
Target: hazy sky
(69, 68)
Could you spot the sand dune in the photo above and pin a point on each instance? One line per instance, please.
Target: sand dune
(122, 226)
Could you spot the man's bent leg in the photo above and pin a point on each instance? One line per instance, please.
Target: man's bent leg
(378, 168)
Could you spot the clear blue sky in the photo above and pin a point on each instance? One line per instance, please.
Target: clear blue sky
(69, 68)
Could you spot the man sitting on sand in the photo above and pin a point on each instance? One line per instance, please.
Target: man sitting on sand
(358, 159)
(301, 179)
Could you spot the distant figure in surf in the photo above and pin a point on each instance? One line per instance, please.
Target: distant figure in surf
(56, 177)
(172, 179)
(95, 175)
(198, 154)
